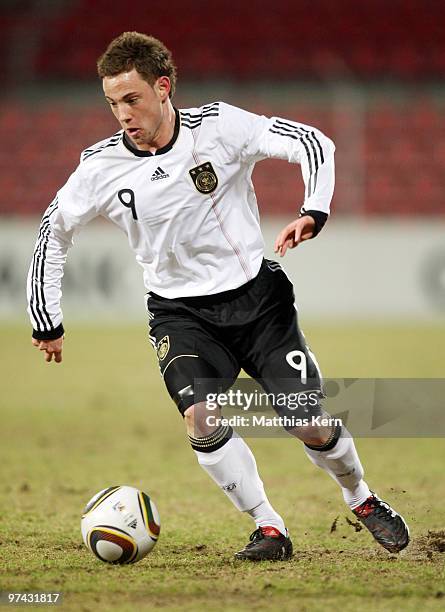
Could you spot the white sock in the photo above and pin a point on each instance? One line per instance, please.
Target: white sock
(233, 468)
(265, 516)
(343, 464)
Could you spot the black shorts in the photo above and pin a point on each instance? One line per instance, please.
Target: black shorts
(253, 327)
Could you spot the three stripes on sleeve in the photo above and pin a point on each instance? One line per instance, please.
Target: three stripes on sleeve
(311, 144)
(42, 323)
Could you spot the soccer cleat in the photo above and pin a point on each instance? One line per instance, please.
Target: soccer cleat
(266, 544)
(387, 527)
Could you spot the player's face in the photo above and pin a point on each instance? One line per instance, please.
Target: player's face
(139, 107)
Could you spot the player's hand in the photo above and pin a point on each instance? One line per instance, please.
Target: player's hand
(293, 234)
(52, 348)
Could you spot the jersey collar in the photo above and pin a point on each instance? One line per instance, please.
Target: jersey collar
(160, 151)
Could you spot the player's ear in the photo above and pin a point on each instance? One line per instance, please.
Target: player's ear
(163, 87)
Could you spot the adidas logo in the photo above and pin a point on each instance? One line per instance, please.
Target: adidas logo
(133, 524)
(230, 487)
(159, 174)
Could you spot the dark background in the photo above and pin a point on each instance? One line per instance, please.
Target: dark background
(369, 74)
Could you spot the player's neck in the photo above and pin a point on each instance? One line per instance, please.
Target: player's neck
(165, 132)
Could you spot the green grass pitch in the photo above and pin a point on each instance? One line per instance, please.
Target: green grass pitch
(102, 417)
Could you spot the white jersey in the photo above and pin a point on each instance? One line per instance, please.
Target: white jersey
(189, 210)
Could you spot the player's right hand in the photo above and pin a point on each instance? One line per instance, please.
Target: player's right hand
(52, 348)
(294, 233)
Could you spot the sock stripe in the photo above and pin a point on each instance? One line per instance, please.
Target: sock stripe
(211, 443)
(212, 435)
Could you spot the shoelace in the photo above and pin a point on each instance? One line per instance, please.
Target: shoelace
(384, 511)
(256, 535)
(379, 507)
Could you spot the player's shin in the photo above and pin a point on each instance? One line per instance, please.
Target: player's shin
(339, 458)
(230, 463)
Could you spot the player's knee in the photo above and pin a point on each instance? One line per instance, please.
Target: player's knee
(189, 416)
(199, 421)
(320, 438)
(195, 417)
(313, 426)
(205, 433)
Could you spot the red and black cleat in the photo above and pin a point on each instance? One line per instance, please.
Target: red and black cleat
(387, 527)
(266, 544)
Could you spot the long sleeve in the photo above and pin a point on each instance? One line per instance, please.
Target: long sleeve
(252, 138)
(67, 213)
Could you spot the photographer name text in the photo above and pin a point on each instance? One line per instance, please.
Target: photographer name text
(275, 421)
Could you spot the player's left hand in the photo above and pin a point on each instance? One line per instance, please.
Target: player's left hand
(293, 234)
(52, 348)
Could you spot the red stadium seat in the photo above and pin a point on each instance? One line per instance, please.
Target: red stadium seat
(314, 39)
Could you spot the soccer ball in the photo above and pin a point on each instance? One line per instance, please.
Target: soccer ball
(120, 525)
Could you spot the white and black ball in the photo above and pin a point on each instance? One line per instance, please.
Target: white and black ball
(120, 525)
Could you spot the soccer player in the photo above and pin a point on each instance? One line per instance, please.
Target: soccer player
(178, 183)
